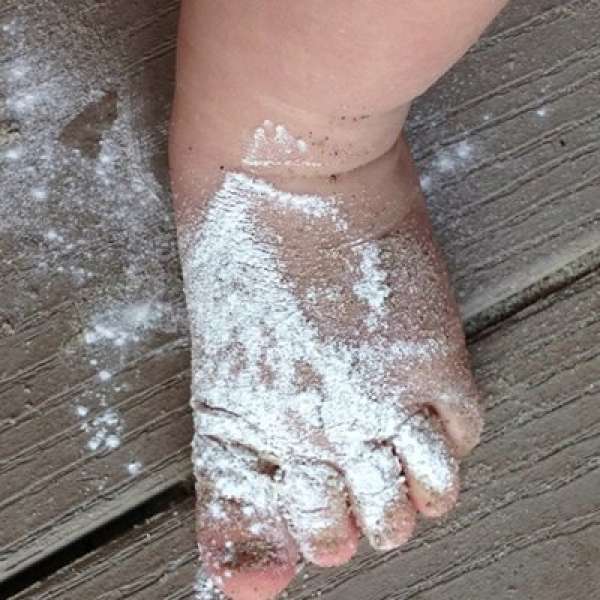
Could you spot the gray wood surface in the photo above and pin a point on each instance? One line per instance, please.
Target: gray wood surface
(528, 522)
(514, 196)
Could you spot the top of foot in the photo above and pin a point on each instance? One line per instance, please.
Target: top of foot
(331, 390)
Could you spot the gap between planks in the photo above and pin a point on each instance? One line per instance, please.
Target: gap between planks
(528, 520)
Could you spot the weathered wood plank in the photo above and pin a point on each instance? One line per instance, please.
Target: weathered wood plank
(529, 518)
(525, 200)
(91, 314)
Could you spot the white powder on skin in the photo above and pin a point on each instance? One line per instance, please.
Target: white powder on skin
(247, 322)
(205, 589)
(371, 287)
(273, 145)
(378, 475)
(309, 205)
(426, 455)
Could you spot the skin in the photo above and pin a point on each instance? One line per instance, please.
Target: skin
(340, 75)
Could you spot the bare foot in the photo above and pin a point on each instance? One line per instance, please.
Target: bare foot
(331, 388)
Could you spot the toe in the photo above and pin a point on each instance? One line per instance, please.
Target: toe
(461, 415)
(430, 468)
(379, 498)
(246, 562)
(242, 539)
(314, 503)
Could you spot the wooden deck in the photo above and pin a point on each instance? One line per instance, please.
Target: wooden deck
(95, 498)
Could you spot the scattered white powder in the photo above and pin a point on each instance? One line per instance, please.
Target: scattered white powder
(14, 153)
(444, 162)
(22, 103)
(541, 112)
(53, 236)
(134, 468)
(250, 337)
(105, 431)
(447, 161)
(464, 150)
(110, 208)
(371, 287)
(112, 441)
(39, 193)
(311, 514)
(205, 588)
(18, 71)
(124, 323)
(104, 375)
(273, 145)
(82, 411)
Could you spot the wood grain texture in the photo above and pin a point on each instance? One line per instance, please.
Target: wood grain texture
(525, 202)
(518, 210)
(528, 523)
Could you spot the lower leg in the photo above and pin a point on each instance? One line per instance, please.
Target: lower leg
(311, 98)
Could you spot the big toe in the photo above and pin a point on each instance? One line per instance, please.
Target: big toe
(243, 542)
(248, 562)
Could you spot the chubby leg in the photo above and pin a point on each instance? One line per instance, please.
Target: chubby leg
(331, 387)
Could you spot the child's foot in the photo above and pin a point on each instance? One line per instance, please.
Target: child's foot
(331, 388)
(330, 383)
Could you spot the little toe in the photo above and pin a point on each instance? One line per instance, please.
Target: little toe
(379, 498)
(461, 417)
(242, 539)
(314, 503)
(430, 468)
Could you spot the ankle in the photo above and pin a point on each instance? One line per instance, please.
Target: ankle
(373, 199)
(273, 141)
